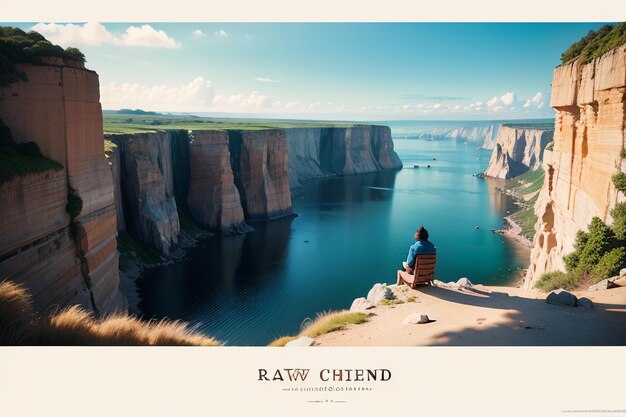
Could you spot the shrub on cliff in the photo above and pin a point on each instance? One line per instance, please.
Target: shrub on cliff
(598, 254)
(20, 325)
(17, 46)
(619, 221)
(18, 159)
(596, 43)
(619, 181)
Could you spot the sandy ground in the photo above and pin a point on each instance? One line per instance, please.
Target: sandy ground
(489, 316)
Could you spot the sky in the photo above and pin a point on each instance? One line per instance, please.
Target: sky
(339, 71)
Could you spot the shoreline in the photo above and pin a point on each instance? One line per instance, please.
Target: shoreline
(513, 231)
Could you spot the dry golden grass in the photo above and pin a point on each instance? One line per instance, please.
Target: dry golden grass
(17, 318)
(19, 325)
(325, 322)
(282, 341)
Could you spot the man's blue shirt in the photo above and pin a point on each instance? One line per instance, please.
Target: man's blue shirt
(420, 247)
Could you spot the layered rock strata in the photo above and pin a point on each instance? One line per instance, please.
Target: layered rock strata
(224, 178)
(517, 150)
(590, 104)
(324, 152)
(58, 108)
(213, 198)
(259, 162)
(151, 213)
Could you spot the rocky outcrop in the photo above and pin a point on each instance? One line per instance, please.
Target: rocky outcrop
(260, 165)
(213, 198)
(323, 152)
(304, 155)
(63, 260)
(222, 179)
(517, 150)
(589, 100)
(114, 158)
(147, 191)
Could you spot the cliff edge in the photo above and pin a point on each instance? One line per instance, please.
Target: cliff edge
(58, 228)
(590, 135)
(518, 149)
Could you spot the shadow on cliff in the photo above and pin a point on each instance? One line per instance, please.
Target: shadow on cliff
(533, 322)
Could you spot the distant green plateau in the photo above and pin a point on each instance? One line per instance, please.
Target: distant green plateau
(133, 123)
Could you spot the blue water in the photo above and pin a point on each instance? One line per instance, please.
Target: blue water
(350, 233)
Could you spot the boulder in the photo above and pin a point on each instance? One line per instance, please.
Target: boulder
(464, 282)
(301, 342)
(378, 293)
(584, 303)
(622, 272)
(562, 297)
(361, 304)
(605, 284)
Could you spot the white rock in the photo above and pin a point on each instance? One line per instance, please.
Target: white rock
(301, 342)
(361, 304)
(622, 272)
(416, 318)
(464, 282)
(378, 293)
(605, 284)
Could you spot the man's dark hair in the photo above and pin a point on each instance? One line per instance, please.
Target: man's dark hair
(421, 234)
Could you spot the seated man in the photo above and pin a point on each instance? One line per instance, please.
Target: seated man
(421, 246)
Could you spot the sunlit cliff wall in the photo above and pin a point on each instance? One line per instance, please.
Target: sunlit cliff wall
(517, 150)
(589, 135)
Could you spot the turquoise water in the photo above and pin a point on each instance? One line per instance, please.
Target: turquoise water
(350, 233)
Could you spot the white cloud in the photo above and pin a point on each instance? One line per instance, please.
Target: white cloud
(97, 34)
(436, 106)
(71, 34)
(221, 33)
(508, 98)
(198, 34)
(492, 102)
(266, 80)
(196, 95)
(536, 101)
(147, 36)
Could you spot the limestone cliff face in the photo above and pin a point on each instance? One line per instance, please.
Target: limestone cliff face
(304, 155)
(213, 198)
(517, 150)
(326, 152)
(225, 178)
(260, 165)
(589, 135)
(484, 133)
(58, 108)
(115, 161)
(147, 188)
(382, 147)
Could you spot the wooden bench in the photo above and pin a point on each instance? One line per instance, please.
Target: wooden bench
(423, 273)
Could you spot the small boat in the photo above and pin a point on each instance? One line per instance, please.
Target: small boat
(416, 166)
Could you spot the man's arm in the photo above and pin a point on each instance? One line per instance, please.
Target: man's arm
(411, 256)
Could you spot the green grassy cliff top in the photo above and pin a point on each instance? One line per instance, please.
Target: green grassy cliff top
(17, 46)
(597, 43)
(137, 123)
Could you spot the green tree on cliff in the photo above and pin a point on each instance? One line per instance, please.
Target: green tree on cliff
(17, 46)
